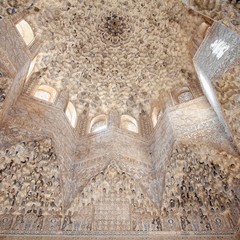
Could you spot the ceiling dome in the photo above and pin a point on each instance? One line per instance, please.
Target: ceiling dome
(114, 54)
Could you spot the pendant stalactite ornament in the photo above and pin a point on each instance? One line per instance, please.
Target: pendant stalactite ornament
(114, 28)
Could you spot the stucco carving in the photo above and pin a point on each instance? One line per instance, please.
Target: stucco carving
(116, 202)
(112, 200)
(225, 11)
(201, 189)
(11, 7)
(112, 58)
(13, 58)
(5, 84)
(29, 179)
(130, 74)
(114, 28)
(228, 93)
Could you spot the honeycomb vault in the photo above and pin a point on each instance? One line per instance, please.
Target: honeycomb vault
(114, 54)
(119, 120)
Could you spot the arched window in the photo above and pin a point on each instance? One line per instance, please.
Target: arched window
(71, 114)
(156, 114)
(31, 67)
(25, 31)
(185, 95)
(45, 93)
(98, 123)
(129, 123)
(182, 94)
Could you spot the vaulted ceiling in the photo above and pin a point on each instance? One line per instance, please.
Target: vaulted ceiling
(114, 54)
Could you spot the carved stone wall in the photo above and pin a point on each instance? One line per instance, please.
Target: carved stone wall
(103, 204)
(145, 125)
(31, 186)
(160, 150)
(93, 146)
(118, 202)
(15, 8)
(32, 116)
(218, 52)
(114, 200)
(224, 11)
(117, 191)
(165, 236)
(14, 63)
(113, 57)
(196, 120)
(13, 45)
(4, 89)
(228, 93)
(201, 190)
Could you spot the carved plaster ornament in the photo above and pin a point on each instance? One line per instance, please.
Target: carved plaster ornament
(4, 86)
(115, 186)
(228, 92)
(114, 28)
(117, 58)
(2, 95)
(11, 7)
(27, 184)
(197, 187)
